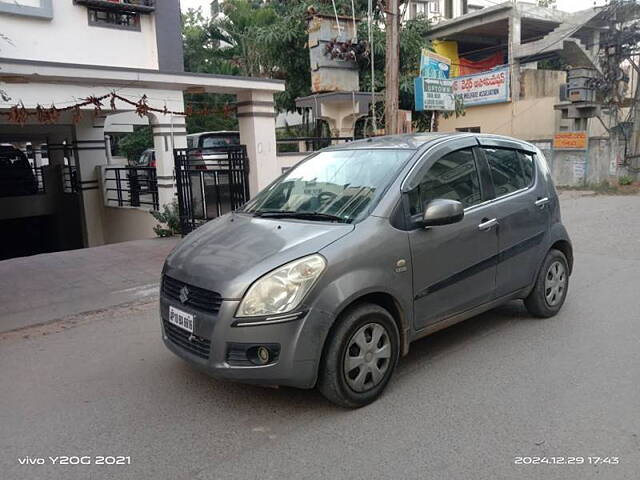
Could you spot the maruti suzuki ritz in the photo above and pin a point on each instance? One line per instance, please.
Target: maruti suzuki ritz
(327, 275)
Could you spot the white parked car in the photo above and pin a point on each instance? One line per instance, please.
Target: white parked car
(207, 149)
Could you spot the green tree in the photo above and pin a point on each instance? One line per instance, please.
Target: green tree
(133, 144)
(202, 54)
(254, 38)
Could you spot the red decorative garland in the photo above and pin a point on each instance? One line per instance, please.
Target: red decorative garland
(20, 114)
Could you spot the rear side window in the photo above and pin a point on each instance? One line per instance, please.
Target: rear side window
(454, 177)
(528, 167)
(510, 169)
(220, 141)
(191, 142)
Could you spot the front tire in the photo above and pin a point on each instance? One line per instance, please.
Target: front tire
(550, 290)
(360, 356)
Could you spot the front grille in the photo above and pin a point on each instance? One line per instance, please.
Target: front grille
(198, 298)
(198, 346)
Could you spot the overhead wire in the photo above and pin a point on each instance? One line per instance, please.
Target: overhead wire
(335, 12)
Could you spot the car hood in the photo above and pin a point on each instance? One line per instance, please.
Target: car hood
(229, 253)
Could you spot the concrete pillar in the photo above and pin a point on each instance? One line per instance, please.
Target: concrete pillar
(256, 118)
(56, 149)
(514, 43)
(169, 132)
(89, 147)
(341, 117)
(595, 43)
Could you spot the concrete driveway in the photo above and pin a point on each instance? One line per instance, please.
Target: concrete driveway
(43, 288)
(464, 404)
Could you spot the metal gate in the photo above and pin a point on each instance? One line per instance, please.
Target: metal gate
(210, 183)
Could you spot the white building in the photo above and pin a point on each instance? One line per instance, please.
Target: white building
(441, 10)
(61, 52)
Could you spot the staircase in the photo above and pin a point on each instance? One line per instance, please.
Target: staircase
(577, 55)
(561, 41)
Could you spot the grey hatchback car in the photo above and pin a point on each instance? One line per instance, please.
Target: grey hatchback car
(326, 276)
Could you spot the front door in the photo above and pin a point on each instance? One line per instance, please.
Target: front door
(454, 266)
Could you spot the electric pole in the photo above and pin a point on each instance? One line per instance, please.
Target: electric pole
(392, 66)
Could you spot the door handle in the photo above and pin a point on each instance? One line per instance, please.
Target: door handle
(541, 202)
(487, 224)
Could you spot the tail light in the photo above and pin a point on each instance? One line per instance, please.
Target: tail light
(153, 163)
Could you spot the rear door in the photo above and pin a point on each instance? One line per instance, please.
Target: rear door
(522, 211)
(453, 265)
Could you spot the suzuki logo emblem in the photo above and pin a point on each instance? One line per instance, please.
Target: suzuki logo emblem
(184, 294)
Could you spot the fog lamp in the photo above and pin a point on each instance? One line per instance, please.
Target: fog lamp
(263, 355)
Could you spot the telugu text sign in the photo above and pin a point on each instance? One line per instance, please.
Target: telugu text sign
(570, 141)
(483, 88)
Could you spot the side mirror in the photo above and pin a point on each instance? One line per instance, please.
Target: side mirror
(442, 212)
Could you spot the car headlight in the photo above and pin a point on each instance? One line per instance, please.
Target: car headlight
(282, 290)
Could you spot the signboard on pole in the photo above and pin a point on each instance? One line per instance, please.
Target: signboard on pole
(440, 93)
(570, 141)
(433, 65)
(433, 90)
(434, 94)
(482, 88)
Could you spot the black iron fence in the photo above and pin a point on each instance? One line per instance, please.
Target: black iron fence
(70, 180)
(131, 186)
(139, 6)
(210, 184)
(307, 144)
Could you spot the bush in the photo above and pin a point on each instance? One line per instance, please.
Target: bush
(169, 220)
(625, 180)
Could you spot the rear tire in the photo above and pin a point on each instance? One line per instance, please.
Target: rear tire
(360, 356)
(550, 290)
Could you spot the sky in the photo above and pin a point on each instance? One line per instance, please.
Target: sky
(566, 5)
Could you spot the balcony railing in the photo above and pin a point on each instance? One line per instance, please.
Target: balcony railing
(135, 6)
(70, 182)
(131, 187)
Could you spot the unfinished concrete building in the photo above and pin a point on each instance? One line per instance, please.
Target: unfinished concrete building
(517, 37)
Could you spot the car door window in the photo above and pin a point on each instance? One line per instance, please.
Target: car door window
(454, 176)
(507, 170)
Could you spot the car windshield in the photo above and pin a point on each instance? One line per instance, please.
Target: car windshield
(334, 185)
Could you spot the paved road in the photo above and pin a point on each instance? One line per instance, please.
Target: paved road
(463, 404)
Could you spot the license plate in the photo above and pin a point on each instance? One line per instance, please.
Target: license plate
(181, 319)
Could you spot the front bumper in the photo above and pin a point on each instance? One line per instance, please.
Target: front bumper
(300, 343)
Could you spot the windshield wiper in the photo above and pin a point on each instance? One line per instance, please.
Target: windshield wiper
(302, 215)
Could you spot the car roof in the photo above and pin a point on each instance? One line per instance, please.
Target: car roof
(414, 141)
(218, 132)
